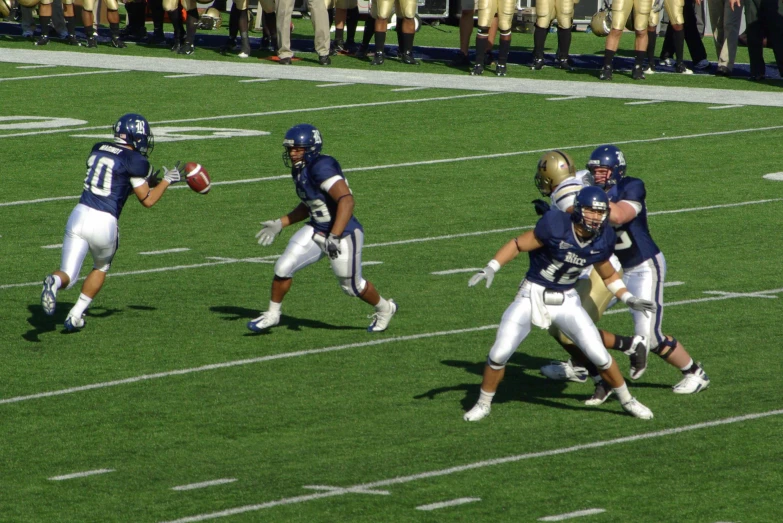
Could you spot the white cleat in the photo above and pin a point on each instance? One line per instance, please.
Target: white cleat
(380, 320)
(693, 382)
(564, 371)
(49, 296)
(638, 353)
(263, 322)
(73, 323)
(478, 412)
(637, 410)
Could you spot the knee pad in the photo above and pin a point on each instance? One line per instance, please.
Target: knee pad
(495, 366)
(348, 287)
(483, 31)
(665, 348)
(505, 33)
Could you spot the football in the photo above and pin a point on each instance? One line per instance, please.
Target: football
(197, 177)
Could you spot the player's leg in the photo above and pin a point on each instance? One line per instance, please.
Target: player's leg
(465, 32)
(621, 9)
(175, 15)
(244, 28)
(74, 251)
(233, 30)
(641, 18)
(113, 15)
(506, 12)
(565, 23)
(382, 11)
(486, 14)
(192, 25)
(545, 13)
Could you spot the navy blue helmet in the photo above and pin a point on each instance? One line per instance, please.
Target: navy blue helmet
(303, 135)
(591, 198)
(134, 130)
(612, 158)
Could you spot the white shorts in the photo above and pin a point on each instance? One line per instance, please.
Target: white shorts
(646, 281)
(93, 230)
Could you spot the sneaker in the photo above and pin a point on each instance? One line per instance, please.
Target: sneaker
(564, 371)
(263, 322)
(117, 43)
(638, 73)
(500, 70)
(701, 65)
(285, 61)
(72, 40)
(478, 412)
(407, 58)
(378, 59)
(693, 382)
(667, 61)
(49, 296)
(477, 70)
(324, 60)
(488, 59)
(72, 323)
(245, 52)
(649, 70)
(92, 43)
(228, 46)
(537, 65)
(42, 40)
(380, 320)
(175, 46)
(601, 394)
(361, 52)
(27, 35)
(461, 60)
(564, 64)
(606, 73)
(637, 410)
(680, 68)
(638, 356)
(187, 49)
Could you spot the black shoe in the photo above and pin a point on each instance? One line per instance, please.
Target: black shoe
(175, 46)
(245, 51)
(156, 38)
(753, 78)
(92, 43)
(118, 43)
(228, 46)
(324, 60)
(43, 40)
(339, 46)
(601, 394)
(722, 70)
(681, 68)
(332, 51)
(500, 70)
(461, 60)
(537, 65)
(488, 59)
(564, 64)
(638, 356)
(72, 40)
(361, 52)
(285, 61)
(378, 59)
(478, 70)
(606, 73)
(407, 58)
(187, 49)
(638, 73)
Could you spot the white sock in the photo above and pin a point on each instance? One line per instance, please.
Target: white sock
(58, 282)
(622, 393)
(81, 306)
(687, 365)
(382, 305)
(274, 307)
(486, 397)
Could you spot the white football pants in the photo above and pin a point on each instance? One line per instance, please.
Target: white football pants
(91, 230)
(646, 281)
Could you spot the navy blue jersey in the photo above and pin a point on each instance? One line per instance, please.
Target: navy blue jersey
(559, 262)
(109, 170)
(634, 243)
(312, 184)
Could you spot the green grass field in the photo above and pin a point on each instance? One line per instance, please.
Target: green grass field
(318, 420)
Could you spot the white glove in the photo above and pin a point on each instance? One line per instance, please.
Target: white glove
(332, 246)
(487, 273)
(172, 175)
(270, 231)
(638, 304)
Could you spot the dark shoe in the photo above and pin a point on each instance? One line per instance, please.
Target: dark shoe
(324, 60)
(339, 46)
(187, 49)
(722, 70)
(228, 46)
(478, 70)
(461, 60)
(332, 51)
(638, 73)
(407, 58)
(157, 38)
(637, 356)
(92, 43)
(175, 46)
(537, 65)
(378, 59)
(681, 68)
(119, 44)
(43, 40)
(601, 394)
(361, 52)
(285, 61)
(753, 78)
(606, 73)
(564, 64)
(72, 40)
(488, 59)
(500, 70)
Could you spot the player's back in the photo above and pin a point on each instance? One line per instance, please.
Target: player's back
(108, 184)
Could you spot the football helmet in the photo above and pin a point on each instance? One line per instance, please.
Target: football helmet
(210, 19)
(553, 167)
(305, 136)
(612, 158)
(601, 22)
(5, 8)
(134, 130)
(596, 200)
(28, 3)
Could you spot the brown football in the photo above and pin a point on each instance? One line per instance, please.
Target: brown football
(197, 177)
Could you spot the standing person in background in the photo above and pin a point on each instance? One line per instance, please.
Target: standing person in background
(691, 36)
(725, 20)
(466, 31)
(64, 10)
(320, 19)
(761, 15)
(504, 11)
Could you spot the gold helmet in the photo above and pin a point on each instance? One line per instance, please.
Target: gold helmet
(601, 23)
(5, 8)
(211, 19)
(553, 167)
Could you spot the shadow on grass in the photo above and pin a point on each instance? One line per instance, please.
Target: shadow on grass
(41, 323)
(233, 313)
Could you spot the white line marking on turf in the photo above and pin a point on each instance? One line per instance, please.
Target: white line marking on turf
(336, 85)
(725, 106)
(561, 99)
(165, 251)
(776, 177)
(255, 80)
(366, 263)
(353, 490)
(673, 283)
(39, 77)
(80, 474)
(185, 75)
(576, 514)
(35, 66)
(477, 465)
(443, 504)
(645, 102)
(52, 246)
(204, 484)
(401, 89)
(456, 271)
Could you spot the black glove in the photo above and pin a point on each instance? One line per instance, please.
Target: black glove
(332, 246)
(541, 206)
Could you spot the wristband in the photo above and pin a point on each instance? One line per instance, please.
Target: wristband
(626, 297)
(494, 265)
(616, 286)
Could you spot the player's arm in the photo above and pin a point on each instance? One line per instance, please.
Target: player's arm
(340, 193)
(616, 286)
(147, 196)
(300, 213)
(622, 212)
(273, 227)
(525, 242)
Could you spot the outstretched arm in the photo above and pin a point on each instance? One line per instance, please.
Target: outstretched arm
(525, 242)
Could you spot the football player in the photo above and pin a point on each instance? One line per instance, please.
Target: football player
(546, 11)
(346, 13)
(331, 231)
(644, 267)
(184, 42)
(560, 247)
(621, 9)
(381, 11)
(504, 10)
(113, 16)
(556, 177)
(114, 170)
(674, 9)
(45, 17)
(238, 22)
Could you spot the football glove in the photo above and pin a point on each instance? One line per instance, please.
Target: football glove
(152, 178)
(332, 246)
(487, 273)
(643, 306)
(172, 175)
(270, 231)
(541, 206)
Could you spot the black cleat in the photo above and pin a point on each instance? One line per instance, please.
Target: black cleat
(407, 58)
(488, 59)
(339, 46)
(477, 70)
(72, 40)
(117, 42)
(638, 73)
(156, 38)
(537, 65)
(361, 52)
(92, 43)
(228, 46)
(378, 59)
(461, 60)
(601, 394)
(564, 64)
(245, 51)
(324, 60)
(43, 40)
(187, 49)
(606, 73)
(500, 70)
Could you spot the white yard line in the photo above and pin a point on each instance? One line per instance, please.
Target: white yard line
(725, 106)
(185, 75)
(564, 98)
(36, 66)
(444, 504)
(204, 484)
(571, 515)
(645, 102)
(44, 77)
(80, 474)
(456, 271)
(52, 246)
(256, 80)
(402, 89)
(477, 465)
(165, 251)
(341, 84)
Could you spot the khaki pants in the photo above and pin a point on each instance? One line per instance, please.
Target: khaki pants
(725, 30)
(319, 17)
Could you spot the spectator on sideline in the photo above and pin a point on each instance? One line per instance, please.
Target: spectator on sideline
(761, 15)
(320, 19)
(692, 39)
(725, 20)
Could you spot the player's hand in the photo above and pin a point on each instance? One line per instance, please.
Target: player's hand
(270, 231)
(153, 178)
(332, 246)
(541, 206)
(643, 306)
(487, 273)
(172, 175)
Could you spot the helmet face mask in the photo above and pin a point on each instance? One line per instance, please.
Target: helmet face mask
(134, 130)
(553, 168)
(611, 158)
(591, 210)
(302, 136)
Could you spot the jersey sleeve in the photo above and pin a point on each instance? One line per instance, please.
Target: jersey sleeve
(634, 191)
(326, 172)
(543, 228)
(138, 166)
(564, 196)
